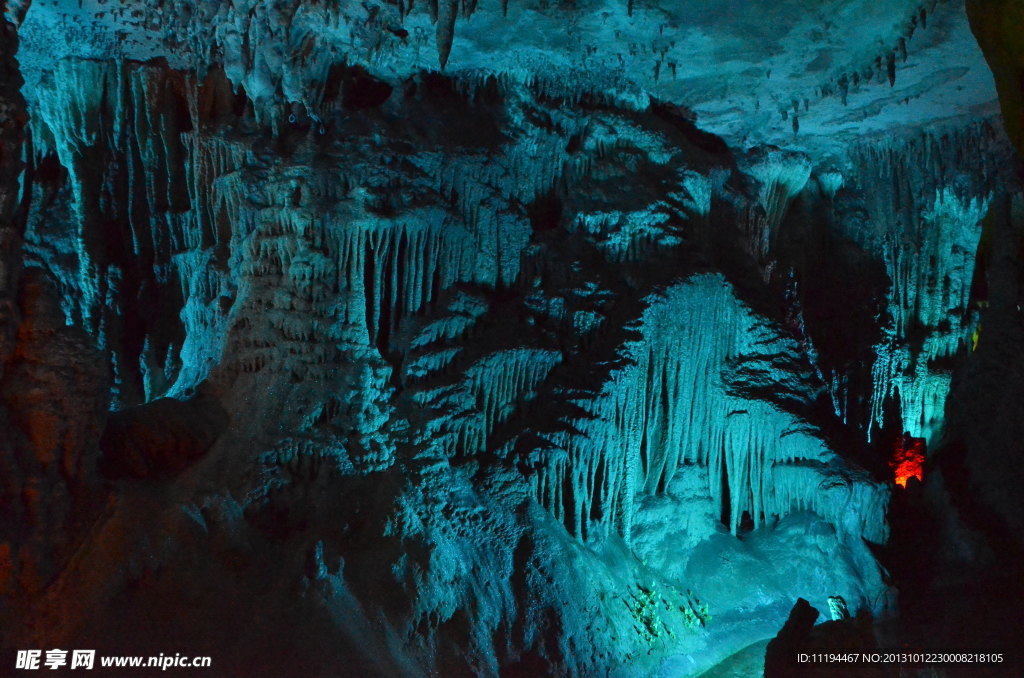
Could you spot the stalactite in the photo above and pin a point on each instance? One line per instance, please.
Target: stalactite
(928, 245)
(117, 129)
(781, 177)
(447, 12)
(678, 408)
(830, 182)
(490, 391)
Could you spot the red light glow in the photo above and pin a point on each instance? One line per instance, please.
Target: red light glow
(907, 459)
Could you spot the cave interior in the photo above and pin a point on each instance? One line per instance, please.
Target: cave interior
(575, 338)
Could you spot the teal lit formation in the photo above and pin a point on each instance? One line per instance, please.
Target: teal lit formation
(505, 338)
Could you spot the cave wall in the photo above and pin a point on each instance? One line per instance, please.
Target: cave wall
(471, 371)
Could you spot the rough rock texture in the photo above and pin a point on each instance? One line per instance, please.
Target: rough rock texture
(13, 121)
(996, 26)
(161, 437)
(499, 340)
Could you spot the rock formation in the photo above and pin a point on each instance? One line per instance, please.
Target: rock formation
(506, 339)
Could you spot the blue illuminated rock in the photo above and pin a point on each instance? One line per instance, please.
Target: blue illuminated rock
(473, 338)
